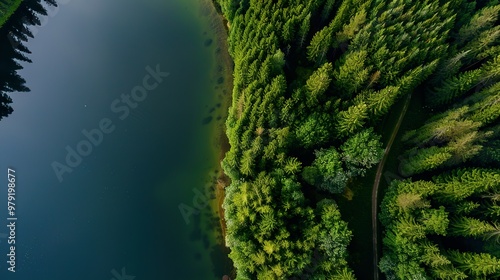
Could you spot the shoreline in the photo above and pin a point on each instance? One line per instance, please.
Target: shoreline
(224, 66)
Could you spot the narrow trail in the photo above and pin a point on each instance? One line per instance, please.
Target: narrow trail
(376, 184)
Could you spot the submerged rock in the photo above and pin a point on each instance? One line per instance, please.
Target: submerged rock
(207, 120)
(208, 42)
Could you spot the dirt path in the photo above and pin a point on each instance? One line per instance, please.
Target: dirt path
(376, 184)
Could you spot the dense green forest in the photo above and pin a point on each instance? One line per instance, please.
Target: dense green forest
(443, 223)
(16, 19)
(312, 82)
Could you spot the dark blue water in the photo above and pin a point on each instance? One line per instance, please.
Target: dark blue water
(113, 212)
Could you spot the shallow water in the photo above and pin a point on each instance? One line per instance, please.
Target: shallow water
(114, 212)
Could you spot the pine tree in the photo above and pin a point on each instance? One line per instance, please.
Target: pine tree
(470, 227)
(495, 233)
(318, 83)
(362, 151)
(462, 183)
(465, 207)
(477, 265)
(409, 228)
(424, 160)
(344, 274)
(352, 73)
(433, 257)
(448, 272)
(435, 220)
(350, 121)
(455, 87)
(481, 21)
(380, 102)
(314, 131)
(352, 28)
(410, 201)
(304, 30)
(319, 46)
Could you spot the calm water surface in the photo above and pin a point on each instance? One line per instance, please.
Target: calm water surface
(117, 208)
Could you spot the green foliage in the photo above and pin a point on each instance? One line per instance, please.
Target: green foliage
(465, 207)
(418, 216)
(292, 166)
(304, 28)
(425, 159)
(352, 120)
(7, 8)
(465, 226)
(318, 83)
(477, 265)
(327, 9)
(332, 170)
(334, 241)
(448, 272)
(17, 19)
(344, 274)
(274, 125)
(353, 27)
(432, 256)
(494, 235)
(380, 102)
(320, 45)
(435, 221)
(454, 136)
(481, 21)
(326, 171)
(462, 183)
(352, 73)
(456, 86)
(314, 131)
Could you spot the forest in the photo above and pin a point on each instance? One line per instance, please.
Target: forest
(312, 82)
(443, 221)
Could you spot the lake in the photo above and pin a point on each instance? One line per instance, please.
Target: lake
(115, 138)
